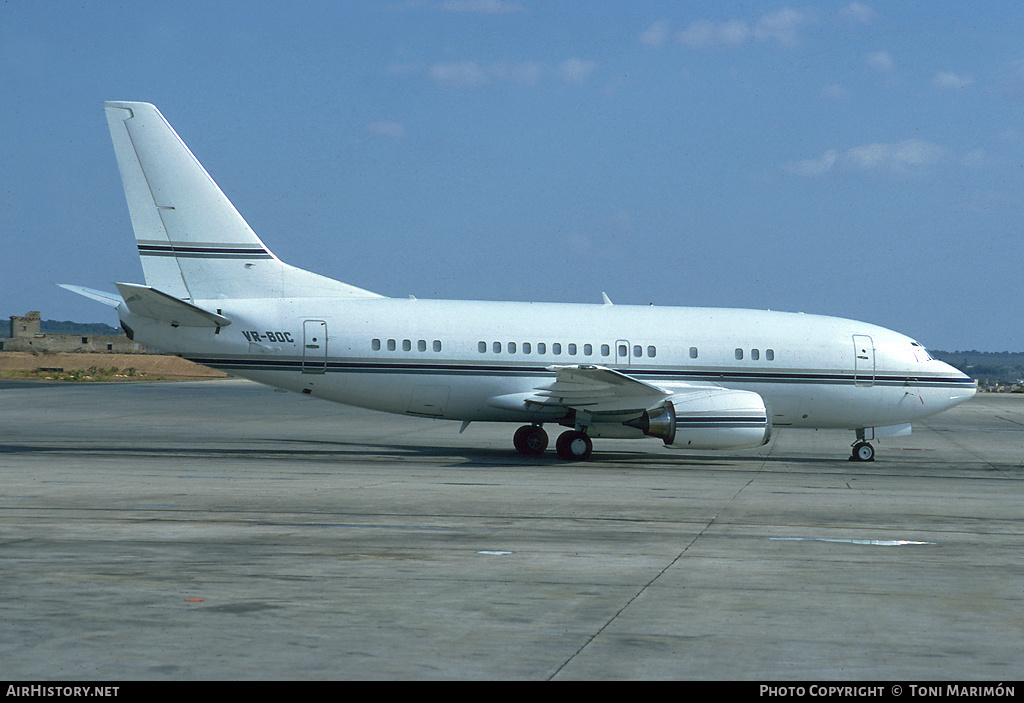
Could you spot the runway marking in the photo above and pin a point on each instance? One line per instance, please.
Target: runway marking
(870, 542)
(349, 525)
(1009, 420)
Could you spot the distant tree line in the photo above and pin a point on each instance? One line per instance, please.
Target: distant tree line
(985, 367)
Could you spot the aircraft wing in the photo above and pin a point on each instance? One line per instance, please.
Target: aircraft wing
(598, 389)
(594, 389)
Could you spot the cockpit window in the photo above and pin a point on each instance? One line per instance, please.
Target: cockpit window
(920, 353)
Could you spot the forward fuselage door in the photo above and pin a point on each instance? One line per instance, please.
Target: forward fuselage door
(863, 360)
(314, 346)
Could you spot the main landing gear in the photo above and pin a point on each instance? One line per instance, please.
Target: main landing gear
(572, 445)
(530, 440)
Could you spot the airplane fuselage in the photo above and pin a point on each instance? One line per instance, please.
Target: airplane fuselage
(458, 360)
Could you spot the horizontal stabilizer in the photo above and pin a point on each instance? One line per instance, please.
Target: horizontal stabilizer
(98, 295)
(149, 302)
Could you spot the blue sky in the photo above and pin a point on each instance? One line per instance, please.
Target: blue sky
(863, 159)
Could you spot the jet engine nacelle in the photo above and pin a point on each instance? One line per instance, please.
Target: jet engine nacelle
(716, 418)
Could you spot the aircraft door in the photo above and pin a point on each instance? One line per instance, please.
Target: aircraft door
(863, 360)
(314, 346)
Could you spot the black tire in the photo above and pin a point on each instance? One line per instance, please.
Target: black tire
(530, 440)
(863, 451)
(574, 446)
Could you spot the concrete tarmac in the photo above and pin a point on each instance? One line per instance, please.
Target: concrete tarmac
(222, 530)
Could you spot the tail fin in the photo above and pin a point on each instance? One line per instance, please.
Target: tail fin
(193, 243)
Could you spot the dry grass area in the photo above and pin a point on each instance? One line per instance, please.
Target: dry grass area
(61, 366)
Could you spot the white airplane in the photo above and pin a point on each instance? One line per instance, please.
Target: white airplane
(695, 378)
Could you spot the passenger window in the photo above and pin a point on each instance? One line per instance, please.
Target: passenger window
(755, 354)
(527, 348)
(375, 345)
(638, 351)
(437, 345)
(497, 347)
(511, 347)
(605, 350)
(693, 352)
(542, 348)
(623, 351)
(739, 354)
(556, 348)
(406, 345)
(481, 347)
(769, 354)
(422, 345)
(652, 352)
(572, 349)
(588, 349)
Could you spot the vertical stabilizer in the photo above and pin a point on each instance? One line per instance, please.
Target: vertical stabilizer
(193, 243)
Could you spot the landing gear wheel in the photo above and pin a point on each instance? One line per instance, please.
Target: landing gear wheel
(574, 446)
(530, 440)
(862, 451)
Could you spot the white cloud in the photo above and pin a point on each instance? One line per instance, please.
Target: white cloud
(836, 91)
(655, 35)
(781, 26)
(948, 79)
(705, 33)
(405, 69)
(579, 243)
(467, 73)
(699, 34)
(1009, 136)
(778, 27)
(906, 157)
(900, 156)
(974, 159)
(490, 7)
(472, 74)
(622, 221)
(881, 61)
(857, 12)
(813, 167)
(386, 128)
(522, 73)
(576, 70)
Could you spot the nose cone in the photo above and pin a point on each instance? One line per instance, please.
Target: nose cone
(961, 386)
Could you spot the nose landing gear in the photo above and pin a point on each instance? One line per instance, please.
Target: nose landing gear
(863, 451)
